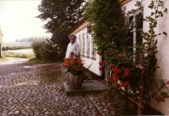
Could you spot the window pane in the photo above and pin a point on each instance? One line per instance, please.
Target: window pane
(88, 45)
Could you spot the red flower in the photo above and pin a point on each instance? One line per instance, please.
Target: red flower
(100, 63)
(100, 68)
(73, 68)
(159, 98)
(99, 52)
(167, 82)
(120, 54)
(117, 70)
(110, 79)
(104, 62)
(131, 105)
(115, 75)
(67, 64)
(115, 80)
(125, 84)
(108, 107)
(126, 72)
(108, 99)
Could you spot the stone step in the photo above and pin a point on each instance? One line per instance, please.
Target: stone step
(87, 86)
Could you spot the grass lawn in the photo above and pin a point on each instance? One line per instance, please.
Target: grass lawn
(23, 53)
(3, 60)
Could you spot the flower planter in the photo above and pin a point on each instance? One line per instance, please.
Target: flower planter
(71, 60)
(74, 81)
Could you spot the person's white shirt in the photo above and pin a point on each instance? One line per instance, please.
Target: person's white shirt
(73, 48)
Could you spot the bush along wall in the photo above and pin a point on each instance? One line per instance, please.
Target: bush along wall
(131, 68)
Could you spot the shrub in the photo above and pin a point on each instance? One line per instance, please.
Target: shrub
(44, 49)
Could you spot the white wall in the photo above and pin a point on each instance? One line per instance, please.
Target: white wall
(163, 58)
(93, 63)
(163, 48)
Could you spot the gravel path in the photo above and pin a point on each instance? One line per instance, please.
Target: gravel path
(37, 90)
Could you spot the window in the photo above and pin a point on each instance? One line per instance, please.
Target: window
(135, 27)
(87, 45)
(83, 44)
(80, 43)
(93, 50)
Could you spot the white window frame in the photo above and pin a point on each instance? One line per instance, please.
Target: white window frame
(87, 46)
(83, 44)
(133, 28)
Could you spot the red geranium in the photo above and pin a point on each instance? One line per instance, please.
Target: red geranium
(126, 72)
(115, 80)
(159, 98)
(75, 67)
(125, 84)
(108, 99)
(167, 82)
(100, 63)
(99, 52)
(100, 68)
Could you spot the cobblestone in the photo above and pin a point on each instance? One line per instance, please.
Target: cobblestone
(37, 90)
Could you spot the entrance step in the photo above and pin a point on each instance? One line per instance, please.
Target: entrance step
(87, 86)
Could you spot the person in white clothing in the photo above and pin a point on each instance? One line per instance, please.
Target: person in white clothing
(73, 49)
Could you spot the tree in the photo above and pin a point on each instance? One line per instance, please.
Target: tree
(109, 22)
(60, 17)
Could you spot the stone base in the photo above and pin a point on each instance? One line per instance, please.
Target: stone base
(87, 86)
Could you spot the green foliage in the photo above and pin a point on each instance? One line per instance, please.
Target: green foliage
(15, 53)
(44, 49)
(14, 48)
(60, 17)
(108, 23)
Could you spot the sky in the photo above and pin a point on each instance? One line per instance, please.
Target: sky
(18, 20)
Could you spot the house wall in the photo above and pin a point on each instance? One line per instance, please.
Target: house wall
(163, 57)
(162, 46)
(85, 39)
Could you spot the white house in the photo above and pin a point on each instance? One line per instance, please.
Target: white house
(89, 55)
(88, 48)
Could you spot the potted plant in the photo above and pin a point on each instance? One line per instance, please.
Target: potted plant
(74, 73)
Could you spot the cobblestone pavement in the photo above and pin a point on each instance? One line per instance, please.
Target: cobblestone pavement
(37, 90)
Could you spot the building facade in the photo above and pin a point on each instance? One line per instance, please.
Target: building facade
(162, 45)
(90, 57)
(87, 47)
